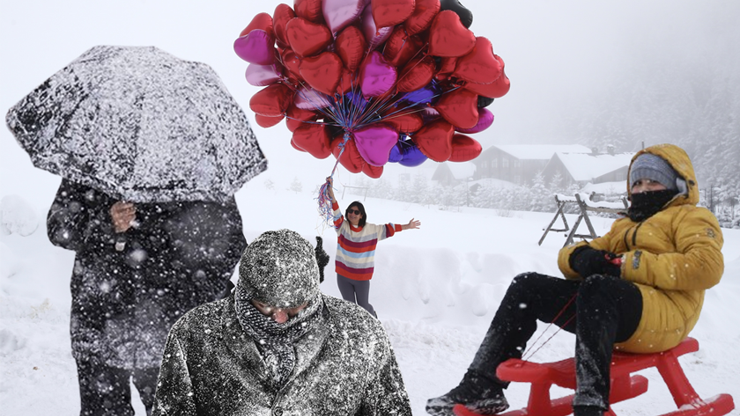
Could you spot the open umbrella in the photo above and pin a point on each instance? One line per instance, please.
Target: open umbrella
(140, 125)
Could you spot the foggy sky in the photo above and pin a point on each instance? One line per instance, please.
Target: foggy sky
(563, 58)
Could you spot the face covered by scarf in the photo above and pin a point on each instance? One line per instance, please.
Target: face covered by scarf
(646, 204)
(276, 342)
(278, 269)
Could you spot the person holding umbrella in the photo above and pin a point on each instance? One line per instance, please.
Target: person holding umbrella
(356, 244)
(151, 150)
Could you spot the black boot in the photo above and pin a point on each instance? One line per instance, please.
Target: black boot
(587, 411)
(477, 393)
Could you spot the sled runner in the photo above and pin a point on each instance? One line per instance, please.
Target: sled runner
(624, 385)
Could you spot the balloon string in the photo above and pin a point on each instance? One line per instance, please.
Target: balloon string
(325, 206)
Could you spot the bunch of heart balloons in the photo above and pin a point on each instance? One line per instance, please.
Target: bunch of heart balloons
(373, 81)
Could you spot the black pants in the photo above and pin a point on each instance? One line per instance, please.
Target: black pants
(105, 391)
(604, 310)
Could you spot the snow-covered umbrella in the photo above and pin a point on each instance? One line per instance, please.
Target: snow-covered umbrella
(141, 125)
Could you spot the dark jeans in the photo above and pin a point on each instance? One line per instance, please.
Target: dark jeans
(105, 391)
(356, 291)
(604, 309)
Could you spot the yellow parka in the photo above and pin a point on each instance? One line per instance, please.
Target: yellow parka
(672, 257)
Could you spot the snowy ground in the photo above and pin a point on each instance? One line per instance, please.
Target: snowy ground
(435, 290)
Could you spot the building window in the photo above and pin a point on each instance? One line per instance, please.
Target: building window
(494, 163)
(505, 163)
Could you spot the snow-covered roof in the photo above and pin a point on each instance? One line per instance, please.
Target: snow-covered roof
(540, 151)
(462, 171)
(584, 167)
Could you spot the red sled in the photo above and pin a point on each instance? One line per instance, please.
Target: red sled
(624, 385)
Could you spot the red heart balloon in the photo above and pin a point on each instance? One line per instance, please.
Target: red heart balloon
(391, 12)
(446, 68)
(403, 122)
(479, 65)
(292, 62)
(448, 37)
(459, 107)
(421, 19)
(282, 15)
(271, 101)
(464, 148)
(350, 46)
(496, 89)
(400, 48)
(347, 82)
(309, 10)
(307, 38)
(372, 171)
(313, 138)
(350, 158)
(296, 117)
(416, 74)
(265, 121)
(435, 140)
(262, 21)
(295, 146)
(322, 71)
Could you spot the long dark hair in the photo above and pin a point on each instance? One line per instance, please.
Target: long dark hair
(359, 206)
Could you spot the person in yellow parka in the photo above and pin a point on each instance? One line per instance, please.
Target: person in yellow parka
(639, 288)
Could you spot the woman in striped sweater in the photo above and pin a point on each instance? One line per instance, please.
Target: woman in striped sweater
(356, 241)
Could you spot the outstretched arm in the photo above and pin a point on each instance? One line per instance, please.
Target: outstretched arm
(412, 225)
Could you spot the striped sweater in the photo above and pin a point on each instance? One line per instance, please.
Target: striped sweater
(356, 246)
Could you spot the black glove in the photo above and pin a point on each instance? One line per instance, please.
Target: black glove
(322, 258)
(587, 261)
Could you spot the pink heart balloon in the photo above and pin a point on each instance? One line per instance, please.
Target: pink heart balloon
(262, 75)
(485, 119)
(310, 99)
(375, 143)
(256, 47)
(338, 14)
(373, 35)
(376, 75)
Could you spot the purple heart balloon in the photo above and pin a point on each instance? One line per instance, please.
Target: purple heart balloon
(310, 99)
(485, 119)
(412, 156)
(423, 95)
(373, 35)
(429, 114)
(395, 156)
(338, 14)
(376, 75)
(261, 75)
(375, 143)
(256, 47)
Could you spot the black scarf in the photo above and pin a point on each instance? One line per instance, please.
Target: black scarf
(646, 204)
(276, 342)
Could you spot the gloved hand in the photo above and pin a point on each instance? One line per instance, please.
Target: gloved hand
(322, 257)
(587, 261)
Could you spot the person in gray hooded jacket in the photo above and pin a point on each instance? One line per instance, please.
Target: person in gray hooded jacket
(278, 346)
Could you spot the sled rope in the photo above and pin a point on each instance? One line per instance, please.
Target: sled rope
(527, 355)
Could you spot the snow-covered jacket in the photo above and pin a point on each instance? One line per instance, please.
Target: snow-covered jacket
(672, 257)
(355, 258)
(344, 367)
(124, 301)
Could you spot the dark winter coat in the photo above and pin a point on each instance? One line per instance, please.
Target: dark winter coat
(672, 257)
(180, 255)
(344, 367)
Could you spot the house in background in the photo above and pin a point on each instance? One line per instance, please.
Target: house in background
(454, 173)
(580, 169)
(519, 163)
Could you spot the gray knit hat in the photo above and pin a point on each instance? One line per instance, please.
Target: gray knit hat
(655, 168)
(279, 269)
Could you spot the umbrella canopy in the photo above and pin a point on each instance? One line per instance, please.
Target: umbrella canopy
(140, 125)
